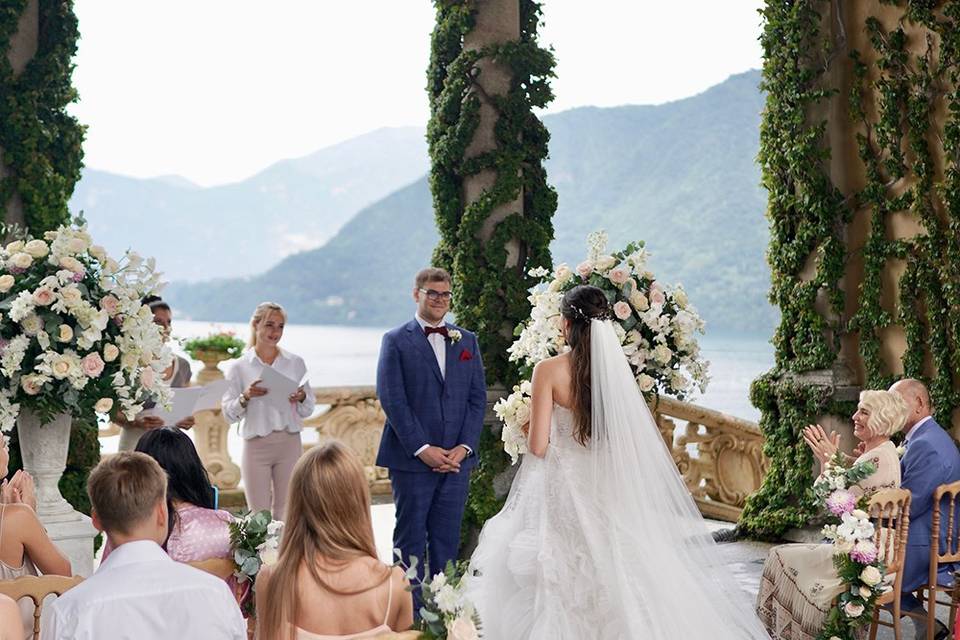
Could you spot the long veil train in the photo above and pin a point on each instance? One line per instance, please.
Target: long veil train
(605, 541)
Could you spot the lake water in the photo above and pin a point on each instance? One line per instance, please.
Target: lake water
(337, 356)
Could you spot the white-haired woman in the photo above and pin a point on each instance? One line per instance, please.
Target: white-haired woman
(271, 433)
(799, 581)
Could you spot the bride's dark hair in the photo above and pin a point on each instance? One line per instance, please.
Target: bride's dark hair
(580, 305)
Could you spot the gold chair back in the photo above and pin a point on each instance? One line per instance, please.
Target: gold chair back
(402, 635)
(37, 588)
(223, 568)
(889, 511)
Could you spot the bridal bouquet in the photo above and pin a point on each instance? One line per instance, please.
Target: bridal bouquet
(656, 324)
(74, 336)
(446, 614)
(254, 540)
(856, 556)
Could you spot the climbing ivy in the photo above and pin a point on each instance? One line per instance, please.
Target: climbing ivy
(490, 298)
(897, 143)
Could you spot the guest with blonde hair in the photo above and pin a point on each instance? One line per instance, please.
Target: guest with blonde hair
(799, 581)
(271, 435)
(328, 583)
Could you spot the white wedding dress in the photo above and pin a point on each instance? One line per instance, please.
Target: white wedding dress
(604, 541)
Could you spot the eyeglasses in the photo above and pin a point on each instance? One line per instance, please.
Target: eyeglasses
(433, 295)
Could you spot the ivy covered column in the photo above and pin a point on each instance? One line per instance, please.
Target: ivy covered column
(491, 199)
(859, 153)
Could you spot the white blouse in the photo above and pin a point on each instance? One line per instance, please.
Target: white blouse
(262, 418)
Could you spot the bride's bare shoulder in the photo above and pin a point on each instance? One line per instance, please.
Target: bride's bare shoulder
(554, 364)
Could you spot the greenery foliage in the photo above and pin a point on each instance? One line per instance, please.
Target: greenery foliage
(224, 342)
(490, 297)
(41, 142)
(892, 106)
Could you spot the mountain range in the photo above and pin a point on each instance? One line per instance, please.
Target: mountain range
(680, 176)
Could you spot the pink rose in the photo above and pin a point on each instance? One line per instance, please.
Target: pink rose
(146, 378)
(43, 296)
(622, 310)
(657, 297)
(619, 276)
(584, 269)
(92, 365)
(110, 304)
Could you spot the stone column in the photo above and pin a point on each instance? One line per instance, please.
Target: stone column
(23, 46)
(211, 431)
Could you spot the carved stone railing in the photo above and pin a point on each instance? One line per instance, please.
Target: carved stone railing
(728, 464)
(719, 456)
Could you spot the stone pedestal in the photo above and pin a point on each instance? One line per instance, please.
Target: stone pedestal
(43, 448)
(211, 429)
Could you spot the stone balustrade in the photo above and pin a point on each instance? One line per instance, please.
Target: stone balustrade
(719, 456)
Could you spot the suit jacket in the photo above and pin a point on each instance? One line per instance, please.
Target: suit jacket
(931, 459)
(423, 406)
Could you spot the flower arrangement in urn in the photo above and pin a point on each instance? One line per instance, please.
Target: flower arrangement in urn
(222, 343)
(856, 556)
(74, 337)
(656, 325)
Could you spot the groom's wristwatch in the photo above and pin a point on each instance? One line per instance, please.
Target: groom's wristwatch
(468, 449)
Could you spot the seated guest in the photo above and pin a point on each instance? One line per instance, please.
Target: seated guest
(799, 581)
(11, 626)
(328, 583)
(196, 530)
(139, 591)
(177, 375)
(25, 546)
(931, 459)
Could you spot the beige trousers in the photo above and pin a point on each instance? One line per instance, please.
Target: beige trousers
(267, 465)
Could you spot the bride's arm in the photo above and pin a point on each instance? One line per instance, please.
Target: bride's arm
(541, 410)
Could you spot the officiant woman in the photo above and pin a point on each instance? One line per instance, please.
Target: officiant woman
(270, 430)
(178, 375)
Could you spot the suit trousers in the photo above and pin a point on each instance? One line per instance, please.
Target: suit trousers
(430, 509)
(267, 465)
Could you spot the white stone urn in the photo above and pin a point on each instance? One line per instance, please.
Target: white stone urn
(43, 448)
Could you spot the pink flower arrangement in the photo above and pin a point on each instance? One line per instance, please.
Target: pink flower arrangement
(841, 501)
(864, 552)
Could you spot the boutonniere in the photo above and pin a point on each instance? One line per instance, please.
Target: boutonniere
(465, 355)
(454, 335)
(901, 450)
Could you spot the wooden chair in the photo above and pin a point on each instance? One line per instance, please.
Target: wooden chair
(889, 511)
(946, 519)
(223, 568)
(402, 635)
(37, 588)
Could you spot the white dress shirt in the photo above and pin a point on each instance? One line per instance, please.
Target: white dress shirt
(439, 344)
(139, 593)
(261, 418)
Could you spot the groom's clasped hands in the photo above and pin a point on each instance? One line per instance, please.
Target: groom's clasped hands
(442, 460)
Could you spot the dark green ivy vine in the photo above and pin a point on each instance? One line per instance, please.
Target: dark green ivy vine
(490, 299)
(807, 217)
(41, 150)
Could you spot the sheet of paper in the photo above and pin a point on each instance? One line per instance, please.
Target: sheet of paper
(280, 388)
(182, 405)
(212, 394)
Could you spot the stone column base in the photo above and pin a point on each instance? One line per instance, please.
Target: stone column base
(74, 536)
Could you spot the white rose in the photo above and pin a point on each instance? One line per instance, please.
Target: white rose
(584, 269)
(72, 264)
(71, 295)
(605, 263)
(662, 354)
(65, 333)
(865, 592)
(871, 576)
(61, 367)
(639, 301)
(853, 609)
(21, 260)
(15, 247)
(6, 282)
(680, 297)
(31, 384)
(645, 382)
(462, 629)
(98, 252)
(103, 405)
(269, 556)
(563, 273)
(37, 248)
(110, 352)
(522, 414)
(447, 599)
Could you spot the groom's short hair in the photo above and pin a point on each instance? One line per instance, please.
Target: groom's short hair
(124, 490)
(431, 274)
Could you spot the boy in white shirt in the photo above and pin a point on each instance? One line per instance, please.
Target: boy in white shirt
(139, 592)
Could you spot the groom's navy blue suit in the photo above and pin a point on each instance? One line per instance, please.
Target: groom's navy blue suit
(425, 406)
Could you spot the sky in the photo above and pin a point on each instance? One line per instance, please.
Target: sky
(217, 90)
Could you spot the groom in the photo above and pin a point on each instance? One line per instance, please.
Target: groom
(431, 385)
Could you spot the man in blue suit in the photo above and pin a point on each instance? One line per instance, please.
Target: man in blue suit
(931, 459)
(431, 385)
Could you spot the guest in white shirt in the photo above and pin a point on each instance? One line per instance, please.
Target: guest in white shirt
(139, 593)
(270, 429)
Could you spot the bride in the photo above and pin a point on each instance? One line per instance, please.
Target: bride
(599, 537)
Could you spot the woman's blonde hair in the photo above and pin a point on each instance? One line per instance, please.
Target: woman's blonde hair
(888, 411)
(262, 311)
(328, 523)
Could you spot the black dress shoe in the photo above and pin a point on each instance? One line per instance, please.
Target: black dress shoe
(942, 632)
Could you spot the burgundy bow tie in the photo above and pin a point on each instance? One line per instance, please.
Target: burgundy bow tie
(441, 330)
